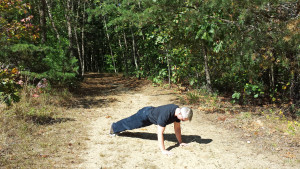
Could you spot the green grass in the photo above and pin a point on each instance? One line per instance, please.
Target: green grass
(193, 97)
(32, 132)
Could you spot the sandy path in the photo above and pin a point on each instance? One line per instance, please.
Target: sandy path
(210, 146)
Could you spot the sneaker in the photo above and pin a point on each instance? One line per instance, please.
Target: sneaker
(111, 131)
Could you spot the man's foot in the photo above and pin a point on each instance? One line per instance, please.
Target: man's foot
(113, 135)
(111, 131)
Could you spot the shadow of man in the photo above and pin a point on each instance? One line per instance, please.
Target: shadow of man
(168, 137)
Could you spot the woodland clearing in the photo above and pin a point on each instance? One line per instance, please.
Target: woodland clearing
(221, 135)
(216, 140)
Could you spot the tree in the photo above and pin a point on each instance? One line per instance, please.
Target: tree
(249, 49)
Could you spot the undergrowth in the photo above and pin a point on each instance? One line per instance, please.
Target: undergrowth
(276, 117)
(268, 127)
(26, 128)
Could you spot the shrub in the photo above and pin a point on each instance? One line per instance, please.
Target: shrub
(9, 87)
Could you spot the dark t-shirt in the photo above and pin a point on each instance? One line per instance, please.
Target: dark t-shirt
(163, 115)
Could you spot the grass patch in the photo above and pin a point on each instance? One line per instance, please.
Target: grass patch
(193, 97)
(36, 131)
(283, 124)
(200, 97)
(271, 127)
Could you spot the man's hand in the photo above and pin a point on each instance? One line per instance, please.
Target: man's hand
(166, 152)
(183, 144)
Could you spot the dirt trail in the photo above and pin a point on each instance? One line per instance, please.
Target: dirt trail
(209, 145)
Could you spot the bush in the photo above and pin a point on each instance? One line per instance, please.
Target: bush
(9, 87)
(39, 105)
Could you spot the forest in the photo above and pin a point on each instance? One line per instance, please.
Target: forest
(70, 68)
(247, 50)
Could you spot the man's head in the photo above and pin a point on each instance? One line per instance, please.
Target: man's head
(186, 113)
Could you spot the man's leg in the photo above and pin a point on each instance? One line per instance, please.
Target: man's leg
(138, 120)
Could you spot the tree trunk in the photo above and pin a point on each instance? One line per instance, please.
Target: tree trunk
(272, 85)
(82, 40)
(133, 51)
(111, 52)
(51, 19)
(169, 67)
(68, 19)
(126, 47)
(295, 81)
(91, 62)
(123, 53)
(42, 12)
(207, 74)
(77, 41)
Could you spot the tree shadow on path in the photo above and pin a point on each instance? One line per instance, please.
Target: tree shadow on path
(94, 89)
(168, 137)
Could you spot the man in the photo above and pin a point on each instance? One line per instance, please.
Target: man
(161, 116)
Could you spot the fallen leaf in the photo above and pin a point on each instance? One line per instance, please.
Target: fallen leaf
(44, 155)
(108, 117)
(289, 155)
(35, 95)
(222, 118)
(222, 111)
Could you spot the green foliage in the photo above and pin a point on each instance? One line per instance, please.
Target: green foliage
(61, 69)
(159, 79)
(54, 66)
(109, 63)
(15, 22)
(236, 96)
(298, 112)
(17, 36)
(9, 88)
(250, 92)
(253, 90)
(251, 47)
(16, 27)
(193, 97)
(27, 56)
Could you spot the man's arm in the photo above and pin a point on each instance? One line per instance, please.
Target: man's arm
(160, 137)
(177, 130)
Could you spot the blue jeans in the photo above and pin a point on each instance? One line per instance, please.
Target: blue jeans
(138, 120)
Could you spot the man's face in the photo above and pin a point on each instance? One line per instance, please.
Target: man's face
(181, 118)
